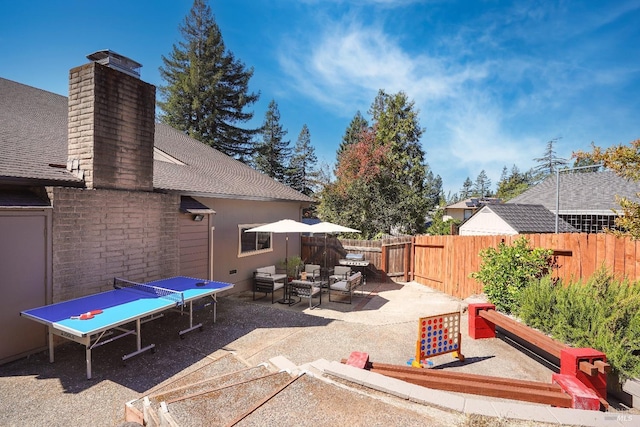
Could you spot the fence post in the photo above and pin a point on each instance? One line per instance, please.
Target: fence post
(384, 260)
(407, 261)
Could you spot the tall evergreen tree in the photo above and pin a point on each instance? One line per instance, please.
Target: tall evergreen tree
(352, 134)
(273, 152)
(207, 88)
(433, 189)
(466, 190)
(482, 186)
(302, 174)
(549, 162)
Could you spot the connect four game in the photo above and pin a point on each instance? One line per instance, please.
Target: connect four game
(438, 335)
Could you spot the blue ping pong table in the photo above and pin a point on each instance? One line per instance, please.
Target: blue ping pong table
(128, 303)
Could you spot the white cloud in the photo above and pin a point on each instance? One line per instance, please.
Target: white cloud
(491, 92)
(348, 63)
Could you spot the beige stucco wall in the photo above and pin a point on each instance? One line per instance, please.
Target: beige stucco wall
(101, 234)
(225, 244)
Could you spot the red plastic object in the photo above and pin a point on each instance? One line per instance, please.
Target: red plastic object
(582, 397)
(358, 359)
(570, 359)
(479, 327)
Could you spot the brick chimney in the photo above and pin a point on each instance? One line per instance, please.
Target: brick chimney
(111, 123)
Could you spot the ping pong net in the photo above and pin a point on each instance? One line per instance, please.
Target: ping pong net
(149, 290)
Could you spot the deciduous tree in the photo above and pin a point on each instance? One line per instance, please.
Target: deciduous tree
(382, 183)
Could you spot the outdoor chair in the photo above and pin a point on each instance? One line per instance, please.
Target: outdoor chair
(346, 286)
(311, 272)
(304, 289)
(340, 272)
(267, 281)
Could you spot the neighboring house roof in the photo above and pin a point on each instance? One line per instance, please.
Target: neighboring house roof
(514, 219)
(581, 193)
(473, 203)
(33, 138)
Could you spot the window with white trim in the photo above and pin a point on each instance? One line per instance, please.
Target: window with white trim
(253, 243)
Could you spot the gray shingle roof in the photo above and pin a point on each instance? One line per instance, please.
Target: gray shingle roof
(529, 218)
(581, 193)
(33, 140)
(33, 135)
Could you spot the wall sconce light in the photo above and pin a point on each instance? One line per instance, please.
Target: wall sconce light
(198, 217)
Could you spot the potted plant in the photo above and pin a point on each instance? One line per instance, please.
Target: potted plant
(293, 266)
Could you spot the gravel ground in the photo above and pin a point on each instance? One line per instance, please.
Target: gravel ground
(34, 392)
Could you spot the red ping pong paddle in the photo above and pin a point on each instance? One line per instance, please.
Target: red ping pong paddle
(83, 316)
(88, 315)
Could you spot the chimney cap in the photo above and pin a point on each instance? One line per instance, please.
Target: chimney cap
(116, 61)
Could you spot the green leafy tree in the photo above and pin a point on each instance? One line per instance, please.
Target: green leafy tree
(354, 198)
(625, 161)
(382, 183)
(405, 170)
(207, 89)
(583, 164)
(514, 183)
(439, 226)
(273, 152)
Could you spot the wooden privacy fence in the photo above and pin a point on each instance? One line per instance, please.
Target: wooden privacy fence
(387, 257)
(446, 262)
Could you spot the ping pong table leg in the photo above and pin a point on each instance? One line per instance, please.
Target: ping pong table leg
(50, 333)
(191, 325)
(140, 349)
(88, 357)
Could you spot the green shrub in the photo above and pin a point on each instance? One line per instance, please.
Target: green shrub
(506, 270)
(602, 313)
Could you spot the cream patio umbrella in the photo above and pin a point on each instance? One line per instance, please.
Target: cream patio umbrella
(285, 226)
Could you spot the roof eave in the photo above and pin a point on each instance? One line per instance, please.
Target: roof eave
(232, 196)
(41, 182)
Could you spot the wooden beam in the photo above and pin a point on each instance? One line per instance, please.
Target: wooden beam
(513, 389)
(588, 368)
(507, 388)
(445, 375)
(530, 335)
(603, 367)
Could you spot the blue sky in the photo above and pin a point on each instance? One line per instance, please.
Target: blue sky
(493, 80)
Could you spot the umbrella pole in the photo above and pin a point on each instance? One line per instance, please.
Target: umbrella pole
(325, 257)
(286, 299)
